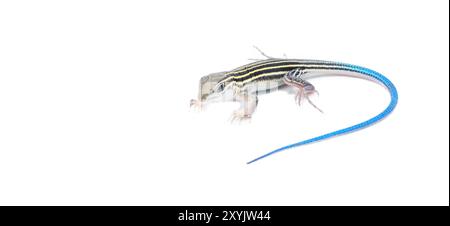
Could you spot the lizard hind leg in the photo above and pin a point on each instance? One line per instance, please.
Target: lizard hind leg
(304, 88)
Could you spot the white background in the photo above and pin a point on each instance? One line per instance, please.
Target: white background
(94, 100)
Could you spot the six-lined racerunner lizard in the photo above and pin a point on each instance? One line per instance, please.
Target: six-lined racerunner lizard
(245, 83)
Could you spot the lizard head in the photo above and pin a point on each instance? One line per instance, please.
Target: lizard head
(214, 86)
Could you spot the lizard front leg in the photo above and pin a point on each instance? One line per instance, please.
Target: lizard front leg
(248, 101)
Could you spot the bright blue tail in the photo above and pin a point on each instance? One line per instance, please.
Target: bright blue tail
(373, 74)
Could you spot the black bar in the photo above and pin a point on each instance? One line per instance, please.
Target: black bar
(223, 215)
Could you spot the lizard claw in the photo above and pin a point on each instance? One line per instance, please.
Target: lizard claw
(301, 94)
(310, 102)
(240, 116)
(299, 97)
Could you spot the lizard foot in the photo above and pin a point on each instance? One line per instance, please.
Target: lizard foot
(196, 104)
(240, 116)
(304, 93)
(308, 94)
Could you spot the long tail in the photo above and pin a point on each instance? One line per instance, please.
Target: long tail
(370, 73)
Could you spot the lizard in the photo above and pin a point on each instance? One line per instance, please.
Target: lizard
(245, 83)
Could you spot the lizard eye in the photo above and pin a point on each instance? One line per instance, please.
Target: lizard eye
(220, 87)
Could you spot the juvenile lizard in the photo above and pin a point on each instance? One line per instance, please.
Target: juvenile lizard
(245, 83)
